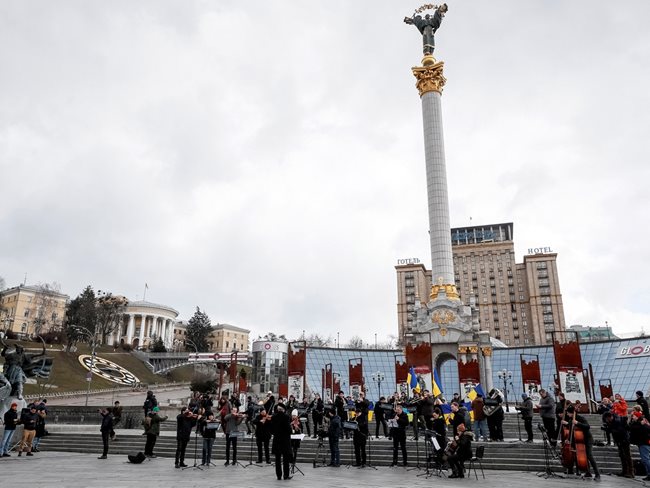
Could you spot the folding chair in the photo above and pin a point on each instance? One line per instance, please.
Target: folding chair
(476, 458)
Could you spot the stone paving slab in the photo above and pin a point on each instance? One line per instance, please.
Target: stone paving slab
(86, 471)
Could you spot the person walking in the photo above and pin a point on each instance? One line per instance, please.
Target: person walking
(117, 417)
(10, 420)
(106, 429)
(152, 430)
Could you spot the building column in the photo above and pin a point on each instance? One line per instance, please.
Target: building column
(130, 329)
(143, 325)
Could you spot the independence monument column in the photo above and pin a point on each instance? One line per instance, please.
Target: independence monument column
(430, 82)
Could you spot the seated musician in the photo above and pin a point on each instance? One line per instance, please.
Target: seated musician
(459, 451)
(574, 421)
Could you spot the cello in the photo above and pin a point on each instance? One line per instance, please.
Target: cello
(574, 450)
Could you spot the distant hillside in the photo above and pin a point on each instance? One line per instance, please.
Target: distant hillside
(69, 375)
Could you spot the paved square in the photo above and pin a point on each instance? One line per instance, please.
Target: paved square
(70, 470)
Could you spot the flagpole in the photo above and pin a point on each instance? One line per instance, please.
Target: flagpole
(144, 294)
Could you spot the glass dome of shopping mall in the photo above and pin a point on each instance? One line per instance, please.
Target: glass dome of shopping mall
(623, 362)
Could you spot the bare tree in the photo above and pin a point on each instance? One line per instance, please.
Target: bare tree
(44, 307)
(355, 343)
(110, 313)
(316, 340)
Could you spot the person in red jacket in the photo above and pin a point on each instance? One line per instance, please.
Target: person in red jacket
(620, 407)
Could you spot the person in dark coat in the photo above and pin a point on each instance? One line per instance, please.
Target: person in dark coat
(398, 433)
(149, 403)
(105, 429)
(117, 417)
(547, 413)
(643, 403)
(209, 433)
(317, 408)
(185, 422)
(333, 433)
(281, 429)
(380, 417)
(360, 437)
(461, 453)
(459, 417)
(620, 434)
(573, 418)
(640, 436)
(10, 420)
(526, 411)
(262, 424)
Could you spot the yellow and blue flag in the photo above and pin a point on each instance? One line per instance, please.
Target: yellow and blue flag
(435, 386)
(412, 381)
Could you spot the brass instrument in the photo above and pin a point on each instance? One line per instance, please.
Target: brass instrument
(491, 405)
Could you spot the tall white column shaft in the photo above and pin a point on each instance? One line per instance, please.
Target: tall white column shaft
(442, 262)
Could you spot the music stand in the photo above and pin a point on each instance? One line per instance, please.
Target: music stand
(196, 439)
(237, 435)
(294, 468)
(250, 455)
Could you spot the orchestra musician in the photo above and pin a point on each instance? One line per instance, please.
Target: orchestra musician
(360, 436)
(185, 422)
(526, 411)
(269, 403)
(230, 425)
(459, 417)
(334, 431)
(380, 419)
(458, 451)
(317, 408)
(209, 435)
(561, 404)
(281, 430)
(262, 435)
(426, 410)
(493, 409)
(439, 426)
(547, 413)
(296, 428)
(576, 422)
(304, 406)
(398, 433)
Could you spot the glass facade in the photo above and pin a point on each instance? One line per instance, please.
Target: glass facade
(269, 365)
(627, 373)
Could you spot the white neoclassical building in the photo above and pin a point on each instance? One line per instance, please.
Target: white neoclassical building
(144, 322)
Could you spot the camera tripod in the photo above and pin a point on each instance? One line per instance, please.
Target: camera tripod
(319, 458)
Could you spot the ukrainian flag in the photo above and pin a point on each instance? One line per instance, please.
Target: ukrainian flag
(435, 387)
(412, 381)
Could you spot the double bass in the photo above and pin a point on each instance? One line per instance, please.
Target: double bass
(574, 449)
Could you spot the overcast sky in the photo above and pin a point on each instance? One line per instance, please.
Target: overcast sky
(264, 159)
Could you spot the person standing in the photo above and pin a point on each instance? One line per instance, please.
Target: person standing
(458, 419)
(39, 431)
(618, 428)
(333, 433)
(231, 428)
(106, 429)
(28, 419)
(360, 437)
(185, 422)
(281, 429)
(480, 420)
(640, 436)
(117, 417)
(643, 403)
(495, 418)
(561, 405)
(149, 403)
(547, 413)
(209, 435)
(398, 433)
(262, 425)
(250, 415)
(526, 411)
(317, 408)
(604, 407)
(380, 417)
(10, 421)
(577, 420)
(152, 430)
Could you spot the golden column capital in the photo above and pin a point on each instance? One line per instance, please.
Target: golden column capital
(429, 76)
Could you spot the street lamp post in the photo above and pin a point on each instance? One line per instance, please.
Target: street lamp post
(93, 338)
(378, 377)
(196, 350)
(505, 375)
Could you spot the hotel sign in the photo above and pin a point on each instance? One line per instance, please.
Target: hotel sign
(539, 250)
(408, 261)
(633, 351)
